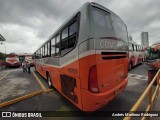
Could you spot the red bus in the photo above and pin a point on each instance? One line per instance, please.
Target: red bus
(86, 59)
(136, 54)
(12, 60)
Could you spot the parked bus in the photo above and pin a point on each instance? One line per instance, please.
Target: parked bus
(136, 54)
(26, 57)
(12, 60)
(86, 59)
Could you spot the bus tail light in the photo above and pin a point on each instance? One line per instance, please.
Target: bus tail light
(93, 82)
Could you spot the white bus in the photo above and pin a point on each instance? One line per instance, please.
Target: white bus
(136, 54)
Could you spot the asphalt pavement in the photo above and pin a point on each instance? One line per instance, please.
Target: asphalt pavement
(16, 83)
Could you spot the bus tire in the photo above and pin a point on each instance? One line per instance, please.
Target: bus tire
(49, 80)
(130, 66)
(35, 68)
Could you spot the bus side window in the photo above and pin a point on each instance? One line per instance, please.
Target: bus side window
(57, 45)
(133, 47)
(53, 49)
(46, 51)
(73, 31)
(130, 47)
(69, 38)
(49, 54)
(43, 52)
(64, 41)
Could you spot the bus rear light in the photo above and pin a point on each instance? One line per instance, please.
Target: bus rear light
(93, 83)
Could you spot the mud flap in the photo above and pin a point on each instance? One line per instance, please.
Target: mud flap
(67, 85)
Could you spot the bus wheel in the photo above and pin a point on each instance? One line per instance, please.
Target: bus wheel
(49, 81)
(130, 66)
(35, 68)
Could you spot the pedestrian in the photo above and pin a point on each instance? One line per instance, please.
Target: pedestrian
(28, 66)
(24, 66)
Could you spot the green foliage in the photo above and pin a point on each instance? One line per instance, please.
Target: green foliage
(2, 56)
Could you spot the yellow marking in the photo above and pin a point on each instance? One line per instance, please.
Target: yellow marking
(40, 83)
(4, 75)
(49, 90)
(21, 98)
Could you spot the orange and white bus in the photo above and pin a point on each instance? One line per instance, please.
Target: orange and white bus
(12, 60)
(86, 59)
(136, 54)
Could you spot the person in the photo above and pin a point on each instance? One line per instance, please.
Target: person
(28, 66)
(24, 66)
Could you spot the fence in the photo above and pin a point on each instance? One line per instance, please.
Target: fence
(152, 96)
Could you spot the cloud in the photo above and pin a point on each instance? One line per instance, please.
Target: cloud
(26, 24)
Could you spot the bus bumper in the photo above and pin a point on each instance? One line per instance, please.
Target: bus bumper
(93, 101)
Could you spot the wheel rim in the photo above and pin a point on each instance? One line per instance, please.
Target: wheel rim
(49, 80)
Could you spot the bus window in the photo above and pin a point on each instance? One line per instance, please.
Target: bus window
(73, 29)
(130, 47)
(57, 45)
(133, 47)
(69, 40)
(102, 23)
(49, 54)
(46, 51)
(43, 52)
(64, 41)
(53, 47)
(120, 29)
(136, 47)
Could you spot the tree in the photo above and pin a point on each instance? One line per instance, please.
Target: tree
(2, 56)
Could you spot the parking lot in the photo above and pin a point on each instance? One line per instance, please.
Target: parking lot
(29, 92)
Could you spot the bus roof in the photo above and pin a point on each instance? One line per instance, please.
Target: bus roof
(87, 4)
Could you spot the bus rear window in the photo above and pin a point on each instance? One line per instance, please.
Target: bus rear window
(107, 25)
(102, 23)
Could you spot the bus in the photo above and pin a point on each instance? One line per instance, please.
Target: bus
(153, 55)
(12, 60)
(136, 54)
(86, 59)
(26, 57)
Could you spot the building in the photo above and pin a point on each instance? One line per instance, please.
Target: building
(144, 39)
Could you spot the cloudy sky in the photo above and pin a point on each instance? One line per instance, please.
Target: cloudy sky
(26, 24)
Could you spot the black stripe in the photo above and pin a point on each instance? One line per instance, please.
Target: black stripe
(113, 57)
(113, 53)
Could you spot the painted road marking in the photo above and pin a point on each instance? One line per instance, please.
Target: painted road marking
(4, 75)
(41, 84)
(21, 98)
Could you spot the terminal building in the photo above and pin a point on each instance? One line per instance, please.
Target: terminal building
(144, 39)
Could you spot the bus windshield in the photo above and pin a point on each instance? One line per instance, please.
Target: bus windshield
(107, 25)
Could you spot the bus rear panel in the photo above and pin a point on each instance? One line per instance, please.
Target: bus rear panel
(104, 66)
